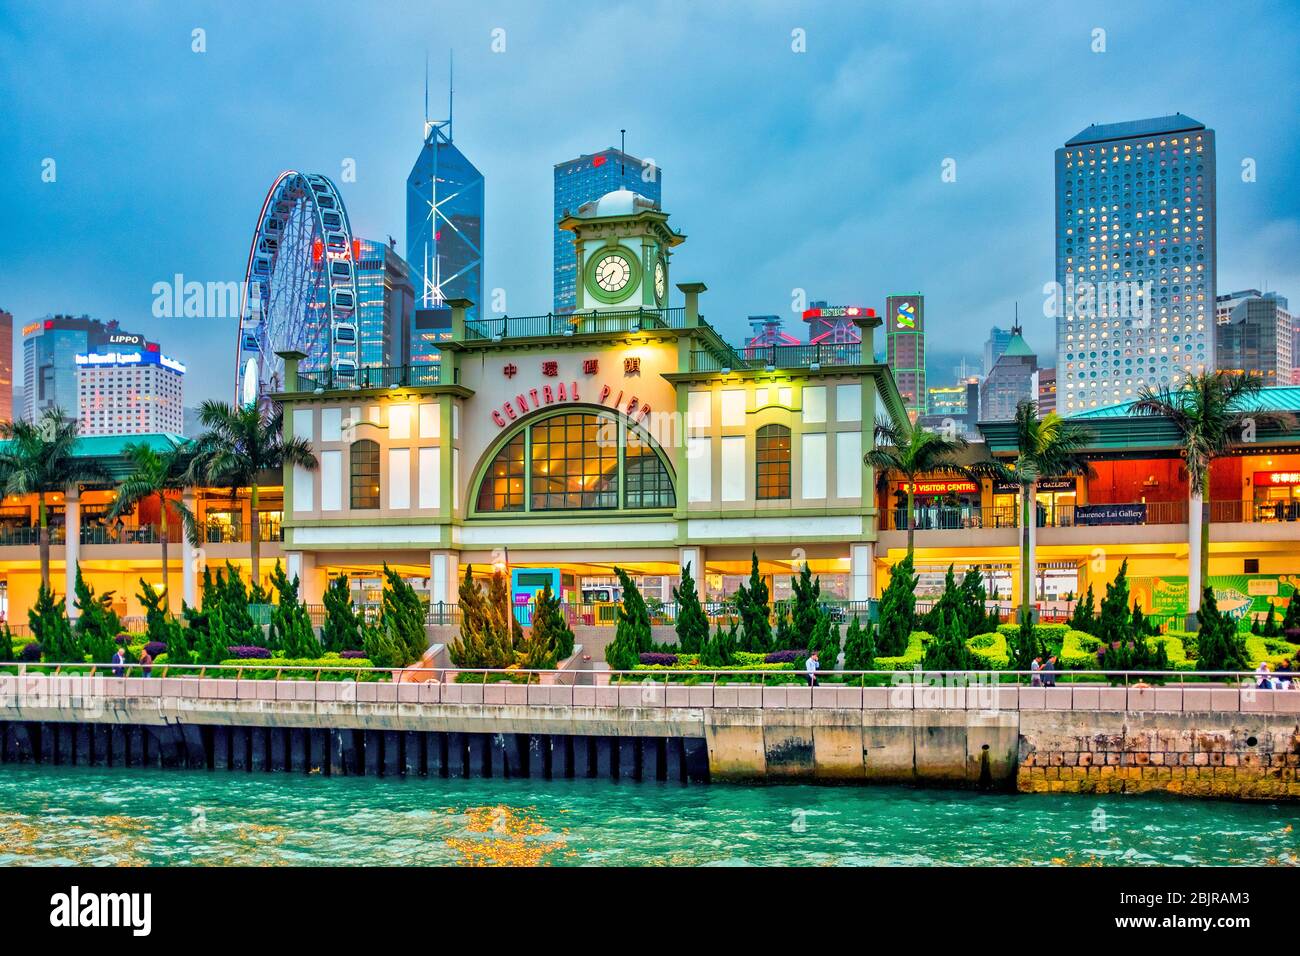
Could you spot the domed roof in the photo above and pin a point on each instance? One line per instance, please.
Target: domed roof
(620, 202)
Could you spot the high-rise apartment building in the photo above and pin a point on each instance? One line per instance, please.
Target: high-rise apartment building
(1045, 390)
(1135, 259)
(905, 348)
(385, 304)
(586, 179)
(444, 223)
(6, 366)
(1255, 332)
(130, 390)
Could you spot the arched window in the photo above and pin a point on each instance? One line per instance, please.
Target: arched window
(772, 462)
(502, 488)
(364, 456)
(576, 461)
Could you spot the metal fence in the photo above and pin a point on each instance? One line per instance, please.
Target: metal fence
(552, 323)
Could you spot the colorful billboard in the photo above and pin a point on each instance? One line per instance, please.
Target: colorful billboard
(1243, 596)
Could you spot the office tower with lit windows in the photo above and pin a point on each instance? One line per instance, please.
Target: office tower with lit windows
(1135, 259)
(1255, 332)
(444, 223)
(50, 349)
(905, 348)
(1010, 382)
(585, 179)
(385, 304)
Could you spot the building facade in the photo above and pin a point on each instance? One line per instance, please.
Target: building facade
(1045, 390)
(1255, 332)
(585, 179)
(1135, 259)
(444, 222)
(629, 434)
(1010, 382)
(994, 346)
(905, 348)
(385, 305)
(133, 390)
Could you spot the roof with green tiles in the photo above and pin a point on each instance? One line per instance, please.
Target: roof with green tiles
(1279, 398)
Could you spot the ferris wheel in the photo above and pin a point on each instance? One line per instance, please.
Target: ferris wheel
(299, 289)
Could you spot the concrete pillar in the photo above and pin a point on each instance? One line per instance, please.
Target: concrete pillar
(312, 580)
(862, 571)
(189, 558)
(72, 549)
(444, 579)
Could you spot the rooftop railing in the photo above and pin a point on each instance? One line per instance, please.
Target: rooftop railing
(777, 356)
(411, 376)
(575, 323)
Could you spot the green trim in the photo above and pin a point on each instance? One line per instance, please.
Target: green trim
(634, 274)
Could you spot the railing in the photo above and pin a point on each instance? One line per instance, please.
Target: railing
(30, 536)
(220, 533)
(954, 517)
(32, 686)
(1249, 512)
(605, 613)
(575, 323)
(388, 377)
(777, 356)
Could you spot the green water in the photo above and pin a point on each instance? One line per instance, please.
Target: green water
(111, 817)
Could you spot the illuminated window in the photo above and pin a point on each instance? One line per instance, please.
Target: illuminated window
(772, 461)
(365, 474)
(503, 483)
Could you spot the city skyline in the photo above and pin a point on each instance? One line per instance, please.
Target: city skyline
(116, 173)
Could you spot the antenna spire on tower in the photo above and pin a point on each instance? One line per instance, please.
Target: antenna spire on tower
(426, 94)
(451, 88)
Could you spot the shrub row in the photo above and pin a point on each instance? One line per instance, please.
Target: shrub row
(359, 669)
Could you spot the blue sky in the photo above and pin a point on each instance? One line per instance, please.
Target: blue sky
(818, 170)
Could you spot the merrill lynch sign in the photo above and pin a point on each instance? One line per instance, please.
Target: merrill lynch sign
(1110, 514)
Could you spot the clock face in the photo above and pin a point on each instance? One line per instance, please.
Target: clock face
(661, 281)
(613, 273)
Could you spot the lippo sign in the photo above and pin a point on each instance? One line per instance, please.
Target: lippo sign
(1089, 515)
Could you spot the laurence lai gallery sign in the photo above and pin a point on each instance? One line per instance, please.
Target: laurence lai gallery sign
(1089, 515)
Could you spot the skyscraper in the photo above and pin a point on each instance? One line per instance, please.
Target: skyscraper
(994, 346)
(1255, 333)
(905, 348)
(50, 349)
(1010, 382)
(130, 390)
(585, 179)
(444, 222)
(385, 304)
(6, 366)
(1135, 259)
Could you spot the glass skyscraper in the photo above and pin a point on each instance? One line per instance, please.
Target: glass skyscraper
(385, 304)
(585, 179)
(50, 349)
(1135, 259)
(444, 223)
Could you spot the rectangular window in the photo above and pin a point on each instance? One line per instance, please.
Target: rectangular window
(699, 410)
(399, 478)
(733, 408)
(733, 468)
(814, 404)
(430, 420)
(399, 422)
(772, 463)
(302, 424)
(428, 460)
(331, 481)
(331, 423)
(699, 455)
(812, 465)
(303, 489)
(848, 464)
(848, 403)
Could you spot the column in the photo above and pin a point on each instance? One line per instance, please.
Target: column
(862, 571)
(189, 556)
(444, 581)
(72, 549)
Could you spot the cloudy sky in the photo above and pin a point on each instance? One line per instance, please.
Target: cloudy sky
(816, 169)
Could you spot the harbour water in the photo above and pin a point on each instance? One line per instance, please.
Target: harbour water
(69, 815)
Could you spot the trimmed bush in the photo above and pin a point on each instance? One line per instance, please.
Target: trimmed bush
(1078, 651)
(786, 657)
(909, 659)
(991, 649)
(357, 669)
(31, 653)
(663, 660)
(245, 652)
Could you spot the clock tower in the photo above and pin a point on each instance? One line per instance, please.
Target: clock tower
(623, 244)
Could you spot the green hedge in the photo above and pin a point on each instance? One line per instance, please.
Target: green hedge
(991, 649)
(911, 658)
(1078, 650)
(358, 669)
(744, 661)
(1052, 635)
(1275, 650)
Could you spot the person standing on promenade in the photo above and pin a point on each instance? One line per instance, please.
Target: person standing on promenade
(813, 664)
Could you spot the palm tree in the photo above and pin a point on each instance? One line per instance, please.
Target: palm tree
(908, 451)
(38, 458)
(1210, 412)
(1045, 447)
(237, 445)
(153, 474)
